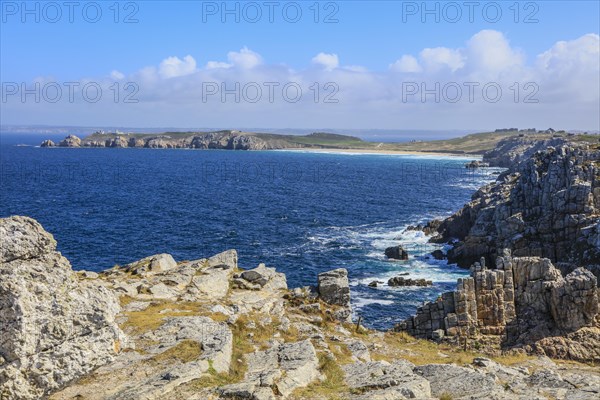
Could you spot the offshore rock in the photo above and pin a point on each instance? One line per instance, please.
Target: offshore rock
(48, 143)
(396, 253)
(70, 141)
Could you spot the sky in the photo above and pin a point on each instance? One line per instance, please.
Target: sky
(304, 64)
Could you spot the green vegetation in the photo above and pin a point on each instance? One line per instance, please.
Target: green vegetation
(476, 144)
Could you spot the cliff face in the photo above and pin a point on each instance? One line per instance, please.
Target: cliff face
(226, 140)
(207, 330)
(524, 302)
(548, 206)
(511, 151)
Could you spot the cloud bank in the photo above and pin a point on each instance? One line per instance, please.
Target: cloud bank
(486, 83)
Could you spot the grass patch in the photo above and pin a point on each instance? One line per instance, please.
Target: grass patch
(185, 351)
(420, 351)
(152, 318)
(333, 387)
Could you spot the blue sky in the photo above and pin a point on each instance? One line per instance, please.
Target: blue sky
(371, 35)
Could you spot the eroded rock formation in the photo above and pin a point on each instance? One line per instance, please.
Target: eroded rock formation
(525, 301)
(546, 206)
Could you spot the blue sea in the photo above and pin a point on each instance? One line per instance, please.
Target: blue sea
(301, 212)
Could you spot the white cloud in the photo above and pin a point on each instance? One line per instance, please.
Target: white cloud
(442, 57)
(564, 56)
(245, 58)
(406, 63)
(489, 52)
(116, 75)
(566, 76)
(173, 67)
(328, 61)
(217, 65)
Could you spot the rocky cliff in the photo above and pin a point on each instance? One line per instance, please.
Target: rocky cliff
(207, 329)
(511, 151)
(226, 140)
(523, 302)
(547, 205)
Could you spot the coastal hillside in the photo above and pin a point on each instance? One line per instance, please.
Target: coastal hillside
(474, 144)
(210, 329)
(225, 140)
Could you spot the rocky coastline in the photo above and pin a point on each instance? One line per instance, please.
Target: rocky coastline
(208, 329)
(211, 329)
(545, 205)
(224, 140)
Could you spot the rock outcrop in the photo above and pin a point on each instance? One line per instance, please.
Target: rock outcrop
(401, 281)
(546, 206)
(53, 328)
(524, 301)
(334, 288)
(207, 330)
(475, 164)
(226, 140)
(48, 143)
(70, 141)
(513, 150)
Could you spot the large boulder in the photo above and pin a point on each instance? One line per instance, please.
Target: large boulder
(396, 253)
(261, 277)
(53, 328)
(333, 288)
(151, 265)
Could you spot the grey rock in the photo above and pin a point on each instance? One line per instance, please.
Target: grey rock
(333, 288)
(70, 141)
(53, 327)
(381, 375)
(396, 252)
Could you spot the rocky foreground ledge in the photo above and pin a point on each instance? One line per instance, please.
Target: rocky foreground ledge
(207, 329)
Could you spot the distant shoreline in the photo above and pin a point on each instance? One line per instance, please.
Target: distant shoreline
(384, 152)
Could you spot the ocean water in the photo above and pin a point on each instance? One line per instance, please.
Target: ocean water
(301, 212)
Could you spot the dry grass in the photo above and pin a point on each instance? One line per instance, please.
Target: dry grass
(420, 351)
(139, 322)
(185, 351)
(333, 387)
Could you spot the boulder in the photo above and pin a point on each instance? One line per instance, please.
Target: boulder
(53, 327)
(476, 164)
(261, 277)
(396, 253)
(151, 265)
(401, 281)
(438, 255)
(333, 288)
